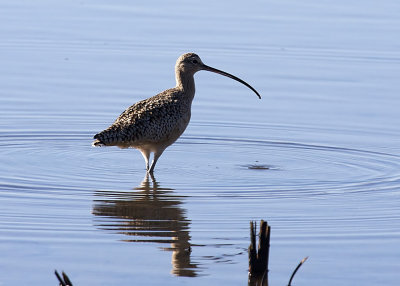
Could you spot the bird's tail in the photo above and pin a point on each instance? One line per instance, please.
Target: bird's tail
(97, 143)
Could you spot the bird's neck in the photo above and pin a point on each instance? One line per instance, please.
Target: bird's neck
(185, 82)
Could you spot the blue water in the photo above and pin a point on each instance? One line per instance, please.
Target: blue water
(318, 157)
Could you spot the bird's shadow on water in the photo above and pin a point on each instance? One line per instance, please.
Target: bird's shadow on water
(150, 213)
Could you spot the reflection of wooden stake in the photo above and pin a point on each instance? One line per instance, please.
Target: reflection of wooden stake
(258, 260)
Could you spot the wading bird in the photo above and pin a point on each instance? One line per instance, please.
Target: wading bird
(153, 124)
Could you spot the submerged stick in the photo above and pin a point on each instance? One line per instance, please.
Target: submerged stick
(295, 270)
(64, 281)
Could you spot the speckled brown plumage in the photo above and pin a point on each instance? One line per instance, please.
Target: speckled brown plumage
(153, 124)
(160, 118)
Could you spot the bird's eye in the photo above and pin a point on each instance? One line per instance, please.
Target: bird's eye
(195, 61)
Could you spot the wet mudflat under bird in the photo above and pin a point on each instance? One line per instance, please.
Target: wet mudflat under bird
(318, 157)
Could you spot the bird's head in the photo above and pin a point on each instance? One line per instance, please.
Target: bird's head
(191, 63)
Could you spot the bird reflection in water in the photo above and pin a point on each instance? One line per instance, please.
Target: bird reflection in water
(153, 214)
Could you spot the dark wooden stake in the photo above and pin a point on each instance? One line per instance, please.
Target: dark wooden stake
(258, 257)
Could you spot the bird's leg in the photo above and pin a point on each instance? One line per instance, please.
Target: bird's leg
(157, 155)
(146, 156)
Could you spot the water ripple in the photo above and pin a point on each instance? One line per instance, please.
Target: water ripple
(240, 166)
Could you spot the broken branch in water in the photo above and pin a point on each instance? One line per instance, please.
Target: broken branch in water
(64, 281)
(258, 260)
(295, 270)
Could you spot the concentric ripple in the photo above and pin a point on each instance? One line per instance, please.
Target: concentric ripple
(221, 165)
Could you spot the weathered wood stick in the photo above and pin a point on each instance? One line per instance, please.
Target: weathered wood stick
(295, 270)
(258, 259)
(64, 281)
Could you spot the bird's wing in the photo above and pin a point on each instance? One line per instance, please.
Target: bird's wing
(147, 120)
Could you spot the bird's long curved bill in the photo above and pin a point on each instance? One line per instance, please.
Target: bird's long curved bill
(208, 68)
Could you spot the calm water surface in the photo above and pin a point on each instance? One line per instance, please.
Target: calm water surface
(318, 157)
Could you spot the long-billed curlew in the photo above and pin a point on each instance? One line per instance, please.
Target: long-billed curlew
(151, 125)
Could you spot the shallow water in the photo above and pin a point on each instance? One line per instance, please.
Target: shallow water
(318, 157)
